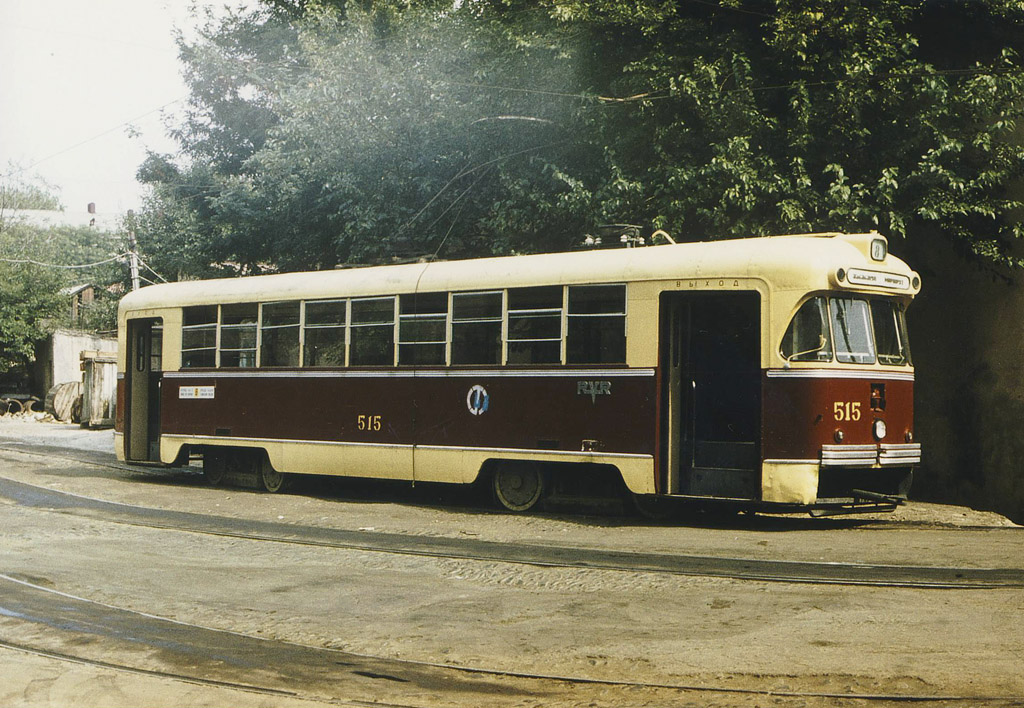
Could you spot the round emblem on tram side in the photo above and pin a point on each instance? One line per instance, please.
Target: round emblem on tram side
(477, 400)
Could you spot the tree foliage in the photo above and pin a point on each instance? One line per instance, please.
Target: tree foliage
(336, 132)
(34, 268)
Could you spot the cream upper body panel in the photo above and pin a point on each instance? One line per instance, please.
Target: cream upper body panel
(784, 270)
(802, 263)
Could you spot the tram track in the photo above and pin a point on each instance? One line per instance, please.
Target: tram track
(470, 549)
(85, 632)
(44, 622)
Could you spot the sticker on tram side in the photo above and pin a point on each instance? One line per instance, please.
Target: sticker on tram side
(593, 389)
(196, 392)
(477, 400)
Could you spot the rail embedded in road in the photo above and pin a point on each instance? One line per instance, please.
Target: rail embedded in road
(749, 569)
(125, 640)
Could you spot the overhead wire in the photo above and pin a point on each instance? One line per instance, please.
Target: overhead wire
(77, 145)
(29, 261)
(149, 268)
(602, 101)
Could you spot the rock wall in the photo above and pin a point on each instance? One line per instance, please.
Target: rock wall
(967, 338)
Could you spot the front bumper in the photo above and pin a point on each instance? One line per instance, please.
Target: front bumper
(883, 455)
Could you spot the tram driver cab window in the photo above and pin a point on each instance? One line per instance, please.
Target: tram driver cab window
(807, 338)
(856, 330)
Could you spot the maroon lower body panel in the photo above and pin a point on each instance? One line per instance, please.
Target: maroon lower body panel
(611, 411)
(806, 409)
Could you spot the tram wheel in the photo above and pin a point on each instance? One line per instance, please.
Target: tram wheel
(214, 468)
(518, 486)
(270, 480)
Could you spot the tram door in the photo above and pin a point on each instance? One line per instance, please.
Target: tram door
(142, 394)
(711, 402)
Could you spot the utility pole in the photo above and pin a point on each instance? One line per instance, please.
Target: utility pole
(133, 251)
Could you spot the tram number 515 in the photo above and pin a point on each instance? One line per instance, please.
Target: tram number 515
(846, 410)
(370, 422)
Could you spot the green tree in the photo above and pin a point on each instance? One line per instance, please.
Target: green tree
(331, 132)
(29, 302)
(36, 263)
(18, 193)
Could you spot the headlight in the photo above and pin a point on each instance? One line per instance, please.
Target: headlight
(878, 429)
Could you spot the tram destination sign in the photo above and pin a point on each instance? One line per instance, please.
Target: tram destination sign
(877, 279)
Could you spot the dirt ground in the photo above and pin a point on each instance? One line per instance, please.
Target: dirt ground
(583, 623)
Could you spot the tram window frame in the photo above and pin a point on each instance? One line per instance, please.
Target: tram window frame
(277, 348)
(330, 333)
(241, 320)
(422, 329)
(889, 311)
(372, 341)
(199, 327)
(596, 326)
(531, 312)
(477, 320)
(823, 351)
(879, 311)
(853, 328)
(156, 346)
(901, 321)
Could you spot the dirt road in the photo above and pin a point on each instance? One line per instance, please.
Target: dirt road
(743, 642)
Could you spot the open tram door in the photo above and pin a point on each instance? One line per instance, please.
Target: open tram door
(711, 395)
(142, 374)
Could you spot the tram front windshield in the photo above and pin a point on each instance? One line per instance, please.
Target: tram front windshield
(849, 330)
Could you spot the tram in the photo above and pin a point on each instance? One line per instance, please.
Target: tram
(770, 373)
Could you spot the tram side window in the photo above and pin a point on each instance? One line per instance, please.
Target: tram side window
(324, 331)
(156, 346)
(851, 329)
(279, 334)
(890, 333)
(373, 332)
(476, 328)
(597, 324)
(807, 338)
(238, 335)
(199, 337)
(422, 329)
(535, 325)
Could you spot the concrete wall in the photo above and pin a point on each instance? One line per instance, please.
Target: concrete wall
(58, 360)
(967, 337)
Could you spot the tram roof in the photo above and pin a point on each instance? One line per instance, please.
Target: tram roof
(802, 261)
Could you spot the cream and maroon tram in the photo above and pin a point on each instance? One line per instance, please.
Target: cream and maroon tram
(768, 372)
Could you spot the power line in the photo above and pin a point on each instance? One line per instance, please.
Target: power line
(29, 261)
(150, 269)
(95, 137)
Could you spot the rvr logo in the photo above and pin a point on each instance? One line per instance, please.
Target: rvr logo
(593, 389)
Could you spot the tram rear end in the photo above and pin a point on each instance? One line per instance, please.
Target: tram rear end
(791, 389)
(839, 411)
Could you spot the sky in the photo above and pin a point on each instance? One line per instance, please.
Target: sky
(77, 78)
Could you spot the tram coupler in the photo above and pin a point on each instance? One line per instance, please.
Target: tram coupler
(876, 497)
(880, 503)
(852, 509)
